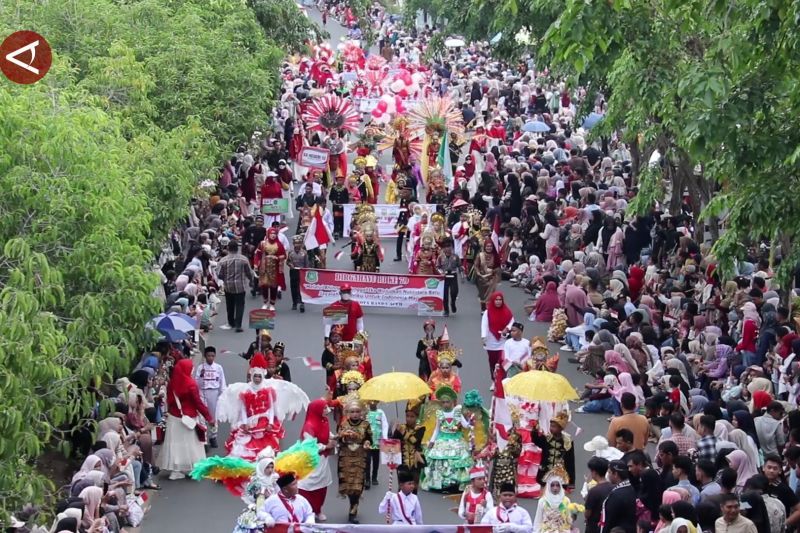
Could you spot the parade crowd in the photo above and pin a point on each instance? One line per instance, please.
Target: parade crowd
(499, 183)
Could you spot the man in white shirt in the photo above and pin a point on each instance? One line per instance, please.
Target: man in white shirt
(516, 351)
(508, 516)
(210, 377)
(403, 506)
(286, 506)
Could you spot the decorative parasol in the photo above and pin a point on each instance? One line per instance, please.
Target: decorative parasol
(541, 386)
(393, 387)
(332, 112)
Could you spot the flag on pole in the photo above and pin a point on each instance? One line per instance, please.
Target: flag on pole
(443, 159)
(501, 415)
(496, 233)
(318, 233)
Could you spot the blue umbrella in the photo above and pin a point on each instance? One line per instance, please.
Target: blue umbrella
(173, 335)
(176, 321)
(535, 126)
(592, 120)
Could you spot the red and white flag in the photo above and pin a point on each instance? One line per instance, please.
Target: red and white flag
(496, 233)
(318, 233)
(501, 415)
(311, 363)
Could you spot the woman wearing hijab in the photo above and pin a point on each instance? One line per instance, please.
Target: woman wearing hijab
(314, 487)
(92, 498)
(182, 448)
(745, 468)
(744, 420)
(615, 360)
(751, 321)
(575, 304)
(487, 269)
(552, 511)
(496, 322)
(744, 442)
(547, 302)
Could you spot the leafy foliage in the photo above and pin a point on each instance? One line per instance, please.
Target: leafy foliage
(97, 163)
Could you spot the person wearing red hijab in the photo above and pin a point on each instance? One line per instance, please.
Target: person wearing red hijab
(314, 487)
(635, 282)
(495, 324)
(182, 447)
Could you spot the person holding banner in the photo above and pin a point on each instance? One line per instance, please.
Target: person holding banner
(271, 190)
(355, 316)
(402, 507)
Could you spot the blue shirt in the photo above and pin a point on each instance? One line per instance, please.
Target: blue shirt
(691, 489)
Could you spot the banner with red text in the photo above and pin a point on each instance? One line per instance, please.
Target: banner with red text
(424, 294)
(376, 528)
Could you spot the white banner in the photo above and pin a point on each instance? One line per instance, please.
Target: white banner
(386, 215)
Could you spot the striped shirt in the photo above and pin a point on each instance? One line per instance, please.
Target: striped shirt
(235, 273)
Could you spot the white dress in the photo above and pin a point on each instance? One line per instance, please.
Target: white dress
(320, 477)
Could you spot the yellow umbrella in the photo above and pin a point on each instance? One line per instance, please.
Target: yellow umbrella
(393, 387)
(540, 386)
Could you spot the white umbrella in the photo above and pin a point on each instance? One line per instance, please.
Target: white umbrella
(174, 321)
(454, 42)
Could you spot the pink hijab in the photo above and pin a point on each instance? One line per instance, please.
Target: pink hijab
(626, 385)
(745, 469)
(547, 303)
(615, 360)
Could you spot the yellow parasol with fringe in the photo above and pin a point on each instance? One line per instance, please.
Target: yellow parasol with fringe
(393, 387)
(540, 386)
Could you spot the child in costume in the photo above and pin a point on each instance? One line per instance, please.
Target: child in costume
(444, 375)
(557, 448)
(410, 436)
(403, 506)
(475, 499)
(259, 483)
(554, 512)
(380, 430)
(355, 440)
(448, 456)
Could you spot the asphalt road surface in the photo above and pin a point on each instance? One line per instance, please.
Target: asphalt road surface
(187, 506)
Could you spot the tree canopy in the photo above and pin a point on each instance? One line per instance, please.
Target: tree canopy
(708, 84)
(98, 162)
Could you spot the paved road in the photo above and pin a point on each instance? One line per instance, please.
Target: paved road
(187, 506)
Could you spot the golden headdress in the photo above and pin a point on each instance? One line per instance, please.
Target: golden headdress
(448, 356)
(437, 217)
(539, 346)
(352, 376)
(351, 400)
(485, 225)
(557, 472)
(360, 162)
(562, 419)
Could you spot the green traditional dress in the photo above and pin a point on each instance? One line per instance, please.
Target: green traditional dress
(449, 459)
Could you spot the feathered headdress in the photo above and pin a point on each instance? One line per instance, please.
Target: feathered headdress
(234, 472)
(331, 113)
(436, 113)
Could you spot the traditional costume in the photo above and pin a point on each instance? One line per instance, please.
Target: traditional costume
(556, 449)
(256, 410)
(476, 499)
(314, 487)
(426, 350)
(354, 433)
(424, 262)
(269, 259)
(553, 514)
(448, 458)
(487, 271)
(411, 438)
(444, 375)
(402, 509)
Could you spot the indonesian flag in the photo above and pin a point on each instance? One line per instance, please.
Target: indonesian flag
(318, 233)
(501, 415)
(496, 233)
(311, 364)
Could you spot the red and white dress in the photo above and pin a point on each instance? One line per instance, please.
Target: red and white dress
(258, 427)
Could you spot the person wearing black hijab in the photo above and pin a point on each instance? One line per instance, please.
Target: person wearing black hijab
(593, 229)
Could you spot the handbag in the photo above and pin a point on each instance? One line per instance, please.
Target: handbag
(187, 421)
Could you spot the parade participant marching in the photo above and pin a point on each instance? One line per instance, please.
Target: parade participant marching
(516, 352)
(338, 197)
(557, 448)
(448, 457)
(210, 377)
(380, 430)
(287, 506)
(553, 513)
(496, 323)
(444, 375)
(355, 316)
(476, 499)
(355, 439)
(410, 436)
(424, 347)
(403, 506)
(314, 487)
(508, 514)
(269, 259)
(295, 260)
(448, 265)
